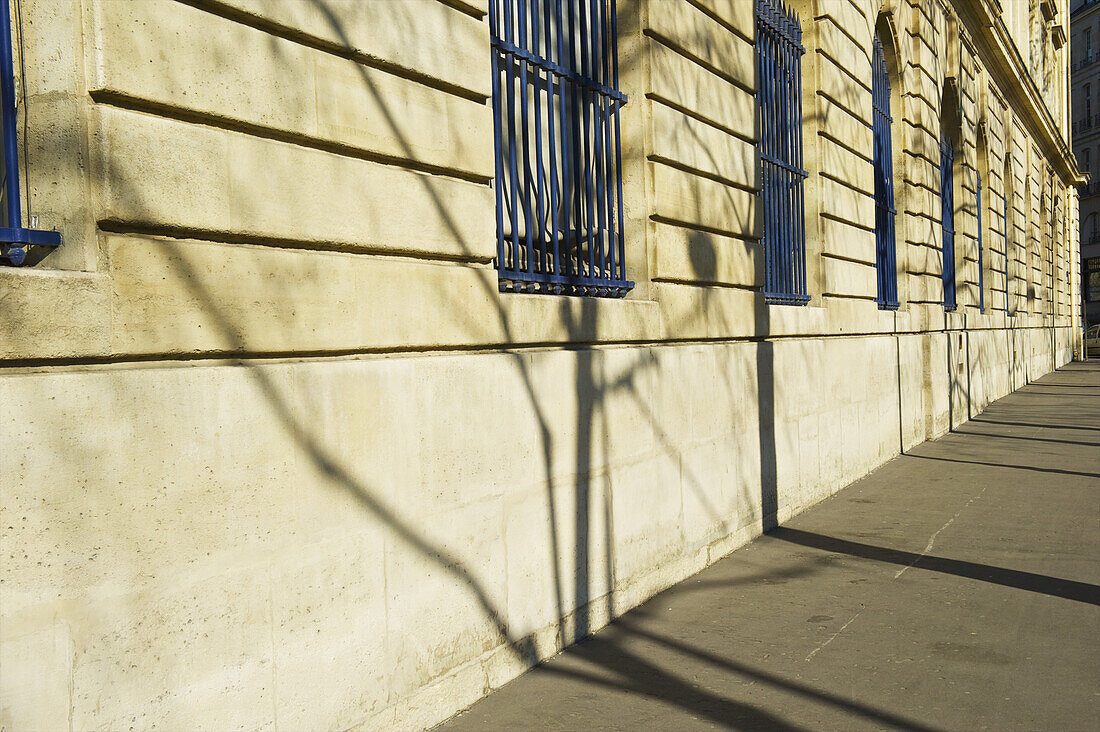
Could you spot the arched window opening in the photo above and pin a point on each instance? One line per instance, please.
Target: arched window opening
(947, 219)
(949, 128)
(885, 213)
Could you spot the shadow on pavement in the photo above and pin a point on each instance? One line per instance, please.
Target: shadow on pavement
(1057, 471)
(1054, 586)
(979, 420)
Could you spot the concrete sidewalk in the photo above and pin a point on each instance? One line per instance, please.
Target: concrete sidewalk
(954, 588)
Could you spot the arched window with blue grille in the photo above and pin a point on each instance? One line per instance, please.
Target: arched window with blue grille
(779, 53)
(981, 253)
(949, 134)
(558, 182)
(885, 246)
(947, 219)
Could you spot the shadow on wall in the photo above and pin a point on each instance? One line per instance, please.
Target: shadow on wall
(576, 588)
(581, 523)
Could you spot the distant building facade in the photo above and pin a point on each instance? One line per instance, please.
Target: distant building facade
(1086, 144)
(391, 346)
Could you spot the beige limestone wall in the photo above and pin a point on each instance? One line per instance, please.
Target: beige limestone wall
(277, 453)
(232, 540)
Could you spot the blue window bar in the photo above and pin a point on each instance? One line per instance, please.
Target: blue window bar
(885, 248)
(981, 255)
(14, 238)
(779, 101)
(947, 211)
(559, 182)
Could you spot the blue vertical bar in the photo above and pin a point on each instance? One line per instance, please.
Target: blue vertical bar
(595, 31)
(513, 173)
(618, 139)
(574, 145)
(586, 117)
(799, 213)
(785, 121)
(540, 176)
(784, 154)
(776, 145)
(552, 81)
(499, 60)
(609, 170)
(525, 167)
(566, 128)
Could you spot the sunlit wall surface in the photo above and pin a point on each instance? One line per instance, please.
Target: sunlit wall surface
(277, 449)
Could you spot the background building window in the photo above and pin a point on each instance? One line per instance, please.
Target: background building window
(1092, 279)
(559, 184)
(779, 53)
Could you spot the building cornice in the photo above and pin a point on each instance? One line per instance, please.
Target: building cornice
(1082, 7)
(1003, 61)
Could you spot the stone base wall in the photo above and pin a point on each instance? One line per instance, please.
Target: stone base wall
(385, 540)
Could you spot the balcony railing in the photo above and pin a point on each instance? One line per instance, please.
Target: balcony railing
(1085, 124)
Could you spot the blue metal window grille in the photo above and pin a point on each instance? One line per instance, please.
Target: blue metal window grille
(947, 211)
(981, 256)
(779, 70)
(1053, 250)
(1004, 218)
(14, 238)
(885, 247)
(558, 160)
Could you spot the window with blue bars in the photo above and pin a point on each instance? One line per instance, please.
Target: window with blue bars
(885, 247)
(16, 241)
(947, 209)
(981, 253)
(558, 183)
(1006, 195)
(779, 53)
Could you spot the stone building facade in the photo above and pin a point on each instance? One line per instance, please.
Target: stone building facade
(1085, 120)
(277, 449)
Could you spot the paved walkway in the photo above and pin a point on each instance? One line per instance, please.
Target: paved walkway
(954, 588)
